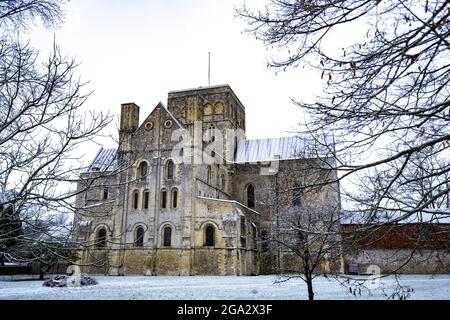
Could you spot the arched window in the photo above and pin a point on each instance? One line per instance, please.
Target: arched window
(167, 236)
(163, 198)
(170, 168)
(105, 193)
(211, 133)
(135, 199)
(143, 170)
(209, 236)
(250, 196)
(145, 199)
(101, 238)
(139, 237)
(264, 241)
(174, 198)
(296, 196)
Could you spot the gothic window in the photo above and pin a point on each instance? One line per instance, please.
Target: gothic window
(218, 108)
(209, 236)
(143, 170)
(170, 168)
(208, 110)
(105, 194)
(145, 199)
(164, 199)
(175, 198)
(101, 238)
(250, 196)
(139, 237)
(167, 236)
(296, 193)
(135, 199)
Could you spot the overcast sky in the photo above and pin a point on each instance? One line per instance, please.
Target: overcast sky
(138, 51)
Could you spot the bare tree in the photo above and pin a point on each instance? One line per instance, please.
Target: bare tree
(304, 222)
(42, 124)
(387, 91)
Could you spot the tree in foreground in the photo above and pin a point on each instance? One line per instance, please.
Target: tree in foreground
(42, 123)
(385, 100)
(386, 92)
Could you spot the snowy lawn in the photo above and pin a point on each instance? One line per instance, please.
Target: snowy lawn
(215, 287)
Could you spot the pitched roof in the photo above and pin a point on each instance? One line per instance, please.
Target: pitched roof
(271, 149)
(172, 116)
(105, 160)
(441, 215)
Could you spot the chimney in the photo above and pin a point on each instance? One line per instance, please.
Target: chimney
(129, 122)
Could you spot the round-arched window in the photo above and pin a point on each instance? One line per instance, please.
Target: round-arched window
(209, 236)
(139, 237)
(101, 238)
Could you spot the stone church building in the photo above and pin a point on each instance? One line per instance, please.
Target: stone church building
(186, 193)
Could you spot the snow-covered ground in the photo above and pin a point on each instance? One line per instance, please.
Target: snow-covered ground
(216, 287)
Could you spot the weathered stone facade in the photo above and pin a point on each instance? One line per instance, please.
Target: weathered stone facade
(165, 209)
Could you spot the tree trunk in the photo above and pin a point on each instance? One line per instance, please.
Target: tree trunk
(41, 272)
(310, 288)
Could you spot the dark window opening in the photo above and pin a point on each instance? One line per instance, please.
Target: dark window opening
(296, 196)
(174, 198)
(209, 236)
(139, 237)
(135, 199)
(167, 237)
(143, 169)
(243, 242)
(250, 196)
(164, 199)
(101, 238)
(264, 241)
(105, 194)
(170, 169)
(146, 199)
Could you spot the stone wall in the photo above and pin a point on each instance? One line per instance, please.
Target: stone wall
(406, 261)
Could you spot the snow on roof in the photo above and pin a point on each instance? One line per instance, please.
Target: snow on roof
(105, 160)
(272, 149)
(431, 216)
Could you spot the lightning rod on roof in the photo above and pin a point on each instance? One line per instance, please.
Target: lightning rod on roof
(209, 68)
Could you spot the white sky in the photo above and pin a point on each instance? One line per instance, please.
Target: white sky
(139, 52)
